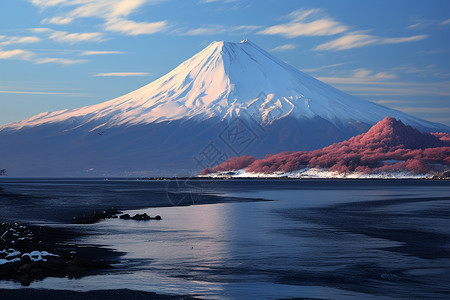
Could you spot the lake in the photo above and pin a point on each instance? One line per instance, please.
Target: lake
(253, 239)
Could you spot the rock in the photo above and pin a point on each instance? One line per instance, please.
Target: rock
(96, 217)
(141, 217)
(125, 217)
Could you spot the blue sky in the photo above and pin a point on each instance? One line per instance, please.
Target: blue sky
(57, 54)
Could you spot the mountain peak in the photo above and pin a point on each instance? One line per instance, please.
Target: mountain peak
(227, 80)
(391, 132)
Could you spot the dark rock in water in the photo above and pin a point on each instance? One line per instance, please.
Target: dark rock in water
(125, 217)
(141, 217)
(145, 217)
(97, 216)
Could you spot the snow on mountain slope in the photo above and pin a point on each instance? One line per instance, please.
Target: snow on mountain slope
(226, 80)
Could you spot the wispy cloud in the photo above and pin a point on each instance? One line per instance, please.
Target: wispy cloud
(16, 54)
(72, 38)
(358, 39)
(9, 40)
(399, 40)
(37, 93)
(114, 13)
(311, 70)
(92, 52)
(33, 57)
(311, 22)
(58, 20)
(218, 29)
(207, 30)
(365, 83)
(285, 47)
(129, 27)
(426, 109)
(62, 61)
(122, 74)
(360, 76)
(421, 24)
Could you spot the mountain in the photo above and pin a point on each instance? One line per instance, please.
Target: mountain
(171, 125)
(388, 147)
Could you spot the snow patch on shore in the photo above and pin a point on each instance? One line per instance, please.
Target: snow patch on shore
(317, 173)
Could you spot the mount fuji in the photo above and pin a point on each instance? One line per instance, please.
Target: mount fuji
(230, 99)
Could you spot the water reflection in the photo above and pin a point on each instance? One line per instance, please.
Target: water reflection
(323, 241)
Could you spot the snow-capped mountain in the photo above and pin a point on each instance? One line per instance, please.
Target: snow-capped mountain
(166, 124)
(222, 81)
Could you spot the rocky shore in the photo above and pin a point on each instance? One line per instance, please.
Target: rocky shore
(29, 253)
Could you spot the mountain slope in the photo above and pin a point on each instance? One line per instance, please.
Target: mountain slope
(166, 127)
(227, 80)
(389, 146)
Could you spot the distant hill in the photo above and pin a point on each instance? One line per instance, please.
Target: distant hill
(389, 146)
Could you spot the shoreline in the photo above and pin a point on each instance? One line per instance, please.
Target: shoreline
(31, 253)
(119, 294)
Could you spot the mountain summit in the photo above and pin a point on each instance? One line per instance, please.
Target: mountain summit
(227, 80)
(163, 127)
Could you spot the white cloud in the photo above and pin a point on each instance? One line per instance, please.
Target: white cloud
(63, 61)
(425, 109)
(129, 27)
(63, 36)
(218, 29)
(385, 75)
(415, 25)
(41, 30)
(72, 38)
(358, 39)
(403, 39)
(58, 20)
(106, 9)
(207, 30)
(100, 52)
(311, 70)
(49, 3)
(352, 40)
(113, 12)
(284, 47)
(306, 23)
(16, 54)
(122, 74)
(360, 76)
(445, 22)
(4, 40)
(36, 93)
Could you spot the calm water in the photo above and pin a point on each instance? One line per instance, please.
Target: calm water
(315, 239)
